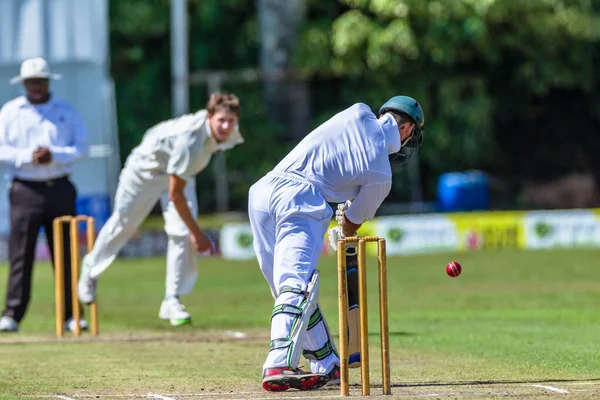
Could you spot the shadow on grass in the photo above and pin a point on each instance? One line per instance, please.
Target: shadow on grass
(397, 333)
(160, 336)
(491, 382)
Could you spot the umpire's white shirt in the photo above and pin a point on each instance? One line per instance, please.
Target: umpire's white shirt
(25, 127)
(182, 146)
(347, 158)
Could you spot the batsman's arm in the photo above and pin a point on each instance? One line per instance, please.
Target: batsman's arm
(349, 228)
(365, 205)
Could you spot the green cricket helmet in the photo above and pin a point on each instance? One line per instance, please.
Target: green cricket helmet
(410, 107)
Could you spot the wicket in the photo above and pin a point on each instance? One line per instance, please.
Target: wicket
(364, 329)
(59, 266)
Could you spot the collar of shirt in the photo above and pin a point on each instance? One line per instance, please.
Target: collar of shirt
(390, 130)
(24, 102)
(234, 139)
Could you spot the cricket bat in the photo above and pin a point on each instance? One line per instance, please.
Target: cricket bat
(353, 310)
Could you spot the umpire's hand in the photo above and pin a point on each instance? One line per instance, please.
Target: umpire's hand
(42, 155)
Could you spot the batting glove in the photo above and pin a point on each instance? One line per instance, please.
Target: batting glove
(335, 235)
(341, 210)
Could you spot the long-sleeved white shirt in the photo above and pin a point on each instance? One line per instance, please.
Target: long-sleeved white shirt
(24, 127)
(347, 158)
(181, 146)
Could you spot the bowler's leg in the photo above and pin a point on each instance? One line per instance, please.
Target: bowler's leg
(182, 268)
(134, 200)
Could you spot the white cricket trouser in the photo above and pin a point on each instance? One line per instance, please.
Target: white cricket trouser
(136, 196)
(289, 218)
(182, 269)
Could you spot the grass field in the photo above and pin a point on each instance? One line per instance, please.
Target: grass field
(512, 320)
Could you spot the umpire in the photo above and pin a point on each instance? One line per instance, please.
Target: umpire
(40, 138)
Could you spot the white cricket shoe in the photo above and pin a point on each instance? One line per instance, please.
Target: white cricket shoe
(8, 324)
(174, 311)
(70, 325)
(86, 288)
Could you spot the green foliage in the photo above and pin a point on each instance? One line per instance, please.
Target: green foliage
(223, 35)
(497, 79)
(470, 62)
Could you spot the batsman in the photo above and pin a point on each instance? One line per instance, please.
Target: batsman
(347, 157)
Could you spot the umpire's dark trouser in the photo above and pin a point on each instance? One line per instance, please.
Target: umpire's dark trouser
(33, 205)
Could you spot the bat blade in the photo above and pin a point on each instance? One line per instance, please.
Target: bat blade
(353, 309)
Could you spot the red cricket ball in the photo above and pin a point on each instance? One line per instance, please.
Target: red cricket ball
(453, 269)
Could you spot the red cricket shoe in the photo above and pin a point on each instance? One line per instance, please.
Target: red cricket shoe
(333, 377)
(283, 378)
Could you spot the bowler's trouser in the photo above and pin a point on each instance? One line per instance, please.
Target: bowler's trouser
(136, 195)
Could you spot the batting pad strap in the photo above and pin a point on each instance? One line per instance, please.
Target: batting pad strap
(286, 309)
(289, 289)
(319, 354)
(315, 318)
(280, 343)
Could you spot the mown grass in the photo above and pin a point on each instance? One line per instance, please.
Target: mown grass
(510, 316)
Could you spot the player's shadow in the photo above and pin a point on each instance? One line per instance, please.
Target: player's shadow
(492, 382)
(394, 333)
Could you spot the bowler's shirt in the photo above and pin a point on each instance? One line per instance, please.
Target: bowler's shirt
(181, 146)
(347, 158)
(25, 126)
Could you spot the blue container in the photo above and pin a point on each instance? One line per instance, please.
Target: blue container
(97, 206)
(463, 191)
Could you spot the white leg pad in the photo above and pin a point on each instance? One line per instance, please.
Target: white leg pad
(294, 337)
(319, 346)
(298, 332)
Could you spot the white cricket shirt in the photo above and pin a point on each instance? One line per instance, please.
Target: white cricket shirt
(347, 157)
(181, 146)
(24, 127)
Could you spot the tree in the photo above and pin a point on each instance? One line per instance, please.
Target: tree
(478, 66)
(508, 86)
(288, 99)
(223, 35)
